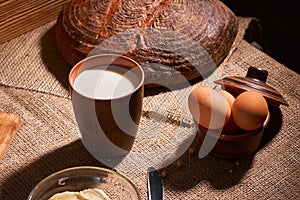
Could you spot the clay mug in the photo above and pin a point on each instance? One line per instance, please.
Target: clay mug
(107, 92)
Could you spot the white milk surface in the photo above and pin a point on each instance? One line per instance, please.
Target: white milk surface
(103, 82)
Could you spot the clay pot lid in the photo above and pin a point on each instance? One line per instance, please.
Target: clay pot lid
(255, 79)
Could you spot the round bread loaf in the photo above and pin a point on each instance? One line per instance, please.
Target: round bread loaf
(174, 40)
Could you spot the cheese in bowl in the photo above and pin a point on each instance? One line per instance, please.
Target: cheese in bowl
(91, 194)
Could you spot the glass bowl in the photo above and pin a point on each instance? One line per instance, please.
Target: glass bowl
(76, 179)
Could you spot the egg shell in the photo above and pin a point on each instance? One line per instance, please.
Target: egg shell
(230, 127)
(209, 108)
(249, 110)
(229, 97)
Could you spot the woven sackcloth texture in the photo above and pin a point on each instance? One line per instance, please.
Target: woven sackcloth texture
(33, 84)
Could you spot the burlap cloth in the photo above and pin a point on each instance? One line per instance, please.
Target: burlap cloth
(33, 78)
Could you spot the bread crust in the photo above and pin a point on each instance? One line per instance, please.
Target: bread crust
(164, 36)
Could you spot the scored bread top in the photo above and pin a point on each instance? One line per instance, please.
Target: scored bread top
(162, 35)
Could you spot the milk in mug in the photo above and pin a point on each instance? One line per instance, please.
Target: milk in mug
(106, 82)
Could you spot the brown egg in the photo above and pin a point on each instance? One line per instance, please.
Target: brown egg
(249, 110)
(209, 108)
(229, 97)
(230, 127)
